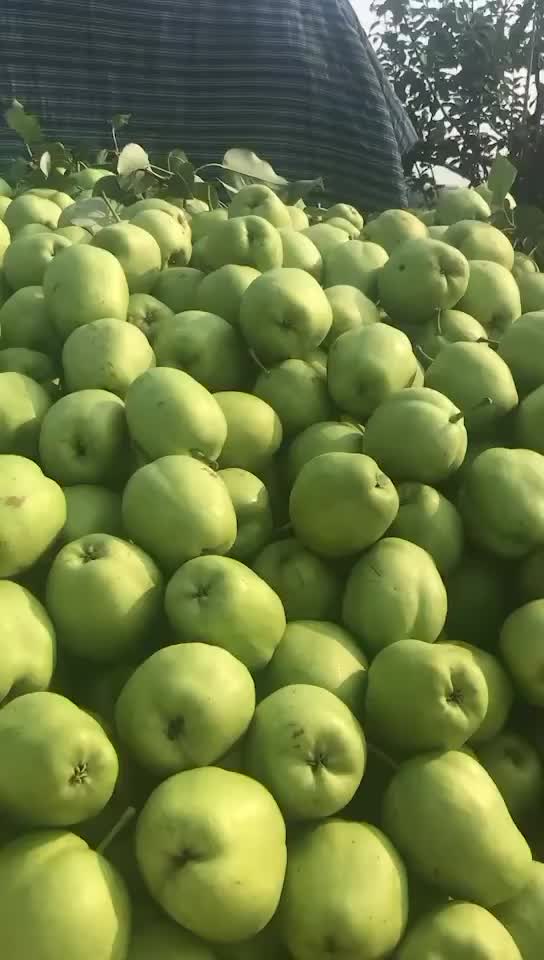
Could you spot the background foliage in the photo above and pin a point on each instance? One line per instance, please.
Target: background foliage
(469, 72)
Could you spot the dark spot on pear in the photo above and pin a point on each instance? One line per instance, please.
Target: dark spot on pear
(175, 728)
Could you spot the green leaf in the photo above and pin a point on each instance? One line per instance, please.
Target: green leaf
(248, 164)
(110, 187)
(529, 220)
(93, 210)
(120, 120)
(132, 158)
(102, 157)
(501, 178)
(176, 160)
(299, 190)
(25, 124)
(45, 163)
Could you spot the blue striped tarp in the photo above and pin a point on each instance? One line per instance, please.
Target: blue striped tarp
(296, 81)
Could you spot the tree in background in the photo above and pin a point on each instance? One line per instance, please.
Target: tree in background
(469, 73)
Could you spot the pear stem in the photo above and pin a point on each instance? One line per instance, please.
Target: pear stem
(258, 363)
(129, 813)
(419, 350)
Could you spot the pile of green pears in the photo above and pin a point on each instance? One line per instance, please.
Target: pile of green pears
(271, 580)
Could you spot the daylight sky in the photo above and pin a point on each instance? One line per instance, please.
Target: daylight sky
(363, 9)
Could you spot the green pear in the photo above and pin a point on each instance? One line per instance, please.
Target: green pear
(522, 915)
(461, 203)
(136, 250)
(74, 234)
(163, 939)
(356, 263)
(221, 291)
(284, 314)
(107, 354)
(322, 654)
(203, 223)
(249, 241)
(177, 288)
(448, 820)
(24, 322)
(5, 189)
(28, 208)
(481, 241)
(258, 200)
(172, 236)
(58, 766)
(361, 910)
(346, 212)
(31, 363)
(84, 438)
(492, 297)
(529, 419)
(206, 347)
(4, 204)
(421, 277)
(91, 509)
(417, 434)
(202, 839)
(499, 688)
(220, 601)
(86, 178)
(523, 264)
(27, 258)
(146, 313)
(431, 521)
(37, 872)
(460, 931)
(184, 707)
(27, 643)
(476, 380)
(307, 586)
(341, 503)
(177, 508)
(531, 288)
(104, 596)
(251, 502)
(23, 406)
(300, 252)
(84, 283)
(327, 436)
(392, 227)
(516, 768)
(394, 592)
(478, 599)
(155, 203)
(298, 394)
(449, 326)
(254, 431)
(298, 217)
(521, 348)
(169, 412)
(502, 501)
(325, 237)
(424, 696)
(521, 649)
(350, 309)
(437, 231)
(32, 514)
(305, 745)
(352, 231)
(368, 364)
